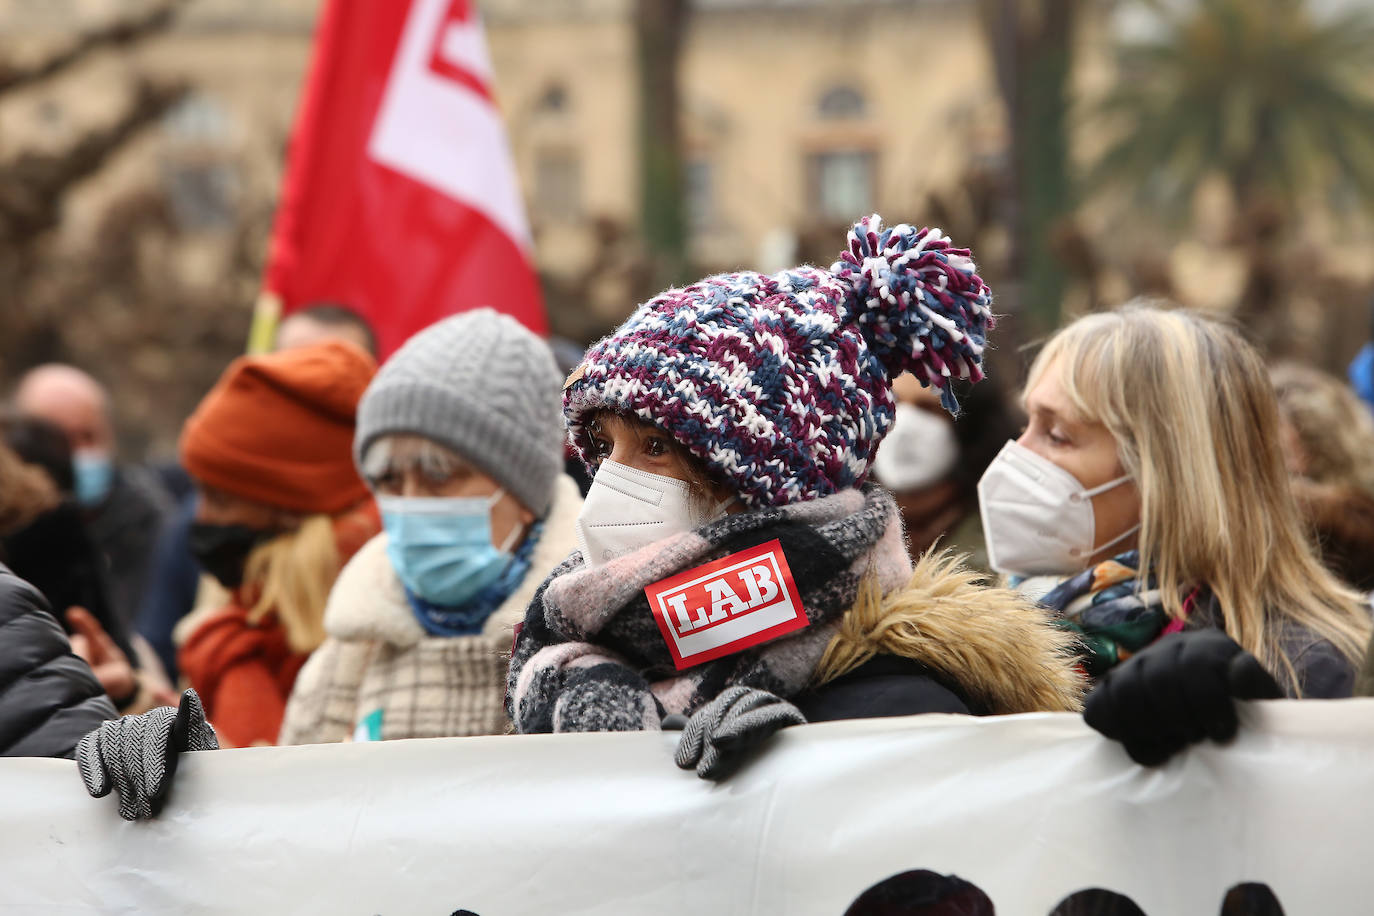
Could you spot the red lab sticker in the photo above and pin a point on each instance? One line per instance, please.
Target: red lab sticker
(728, 605)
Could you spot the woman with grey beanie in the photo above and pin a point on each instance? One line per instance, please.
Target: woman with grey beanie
(460, 437)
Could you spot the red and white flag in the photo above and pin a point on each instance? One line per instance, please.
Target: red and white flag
(400, 198)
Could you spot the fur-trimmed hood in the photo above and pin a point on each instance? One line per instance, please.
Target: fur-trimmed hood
(368, 601)
(1004, 651)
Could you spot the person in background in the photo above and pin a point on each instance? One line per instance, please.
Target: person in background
(460, 438)
(1148, 494)
(48, 547)
(124, 506)
(1327, 436)
(932, 461)
(174, 578)
(280, 510)
(325, 321)
(736, 420)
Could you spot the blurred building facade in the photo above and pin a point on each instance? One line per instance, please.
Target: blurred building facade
(798, 115)
(794, 118)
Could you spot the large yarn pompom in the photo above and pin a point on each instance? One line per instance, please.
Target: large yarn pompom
(919, 303)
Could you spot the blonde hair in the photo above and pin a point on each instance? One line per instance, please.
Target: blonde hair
(1334, 426)
(291, 575)
(1195, 421)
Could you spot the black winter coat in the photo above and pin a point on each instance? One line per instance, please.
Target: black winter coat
(56, 555)
(49, 698)
(886, 685)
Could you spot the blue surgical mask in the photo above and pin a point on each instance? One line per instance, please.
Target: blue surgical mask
(94, 475)
(441, 547)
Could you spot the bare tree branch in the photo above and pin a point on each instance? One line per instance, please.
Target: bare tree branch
(117, 34)
(33, 185)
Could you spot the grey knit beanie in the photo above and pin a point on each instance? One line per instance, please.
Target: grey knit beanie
(483, 385)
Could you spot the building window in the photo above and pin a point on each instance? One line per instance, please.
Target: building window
(554, 101)
(201, 194)
(198, 178)
(843, 184)
(841, 102)
(698, 183)
(558, 185)
(50, 113)
(198, 120)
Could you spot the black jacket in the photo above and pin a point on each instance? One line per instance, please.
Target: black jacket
(49, 698)
(886, 685)
(55, 554)
(1323, 672)
(125, 529)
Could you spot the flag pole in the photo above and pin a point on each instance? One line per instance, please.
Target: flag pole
(266, 316)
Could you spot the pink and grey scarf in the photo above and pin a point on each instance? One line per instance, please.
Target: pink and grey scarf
(590, 656)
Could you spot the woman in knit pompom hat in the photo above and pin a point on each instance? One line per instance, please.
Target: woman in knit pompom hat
(736, 567)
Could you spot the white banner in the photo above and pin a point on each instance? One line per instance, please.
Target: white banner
(1030, 809)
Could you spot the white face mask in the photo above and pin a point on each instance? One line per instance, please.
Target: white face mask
(1037, 517)
(918, 451)
(626, 509)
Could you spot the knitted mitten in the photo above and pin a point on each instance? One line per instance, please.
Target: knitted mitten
(720, 735)
(137, 755)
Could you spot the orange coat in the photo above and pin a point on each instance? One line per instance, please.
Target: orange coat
(244, 671)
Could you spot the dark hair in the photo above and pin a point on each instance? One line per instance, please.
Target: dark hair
(337, 315)
(38, 441)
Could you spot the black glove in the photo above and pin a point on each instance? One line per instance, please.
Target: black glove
(720, 735)
(1176, 692)
(137, 755)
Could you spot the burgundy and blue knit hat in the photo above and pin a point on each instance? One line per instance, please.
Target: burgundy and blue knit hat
(782, 384)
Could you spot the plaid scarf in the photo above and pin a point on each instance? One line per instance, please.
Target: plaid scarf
(1113, 613)
(590, 656)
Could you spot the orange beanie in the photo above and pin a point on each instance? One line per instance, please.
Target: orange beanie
(278, 429)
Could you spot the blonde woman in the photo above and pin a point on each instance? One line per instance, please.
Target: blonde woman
(281, 509)
(1150, 483)
(1327, 434)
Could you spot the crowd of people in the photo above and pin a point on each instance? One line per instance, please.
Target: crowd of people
(466, 542)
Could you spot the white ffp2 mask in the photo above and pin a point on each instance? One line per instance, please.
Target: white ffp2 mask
(627, 508)
(919, 450)
(1037, 517)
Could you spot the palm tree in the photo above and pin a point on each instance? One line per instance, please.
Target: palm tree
(1264, 94)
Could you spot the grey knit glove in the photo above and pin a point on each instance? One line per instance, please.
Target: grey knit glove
(719, 736)
(137, 755)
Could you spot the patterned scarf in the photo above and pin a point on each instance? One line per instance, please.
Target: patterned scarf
(467, 619)
(590, 656)
(1112, 613)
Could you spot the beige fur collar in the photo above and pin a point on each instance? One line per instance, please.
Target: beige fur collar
(368, 602)
(1003, 650)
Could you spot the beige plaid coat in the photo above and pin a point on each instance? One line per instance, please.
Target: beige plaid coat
(379, 675)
